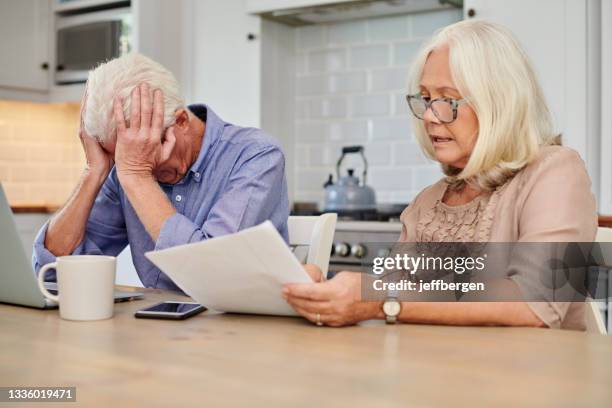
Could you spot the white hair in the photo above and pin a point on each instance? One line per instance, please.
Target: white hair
(490, 70)
(118, 77)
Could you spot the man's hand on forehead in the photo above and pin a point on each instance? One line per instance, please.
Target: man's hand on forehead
(139, 144)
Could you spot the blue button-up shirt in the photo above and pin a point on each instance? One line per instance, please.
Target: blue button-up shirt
(237, 181)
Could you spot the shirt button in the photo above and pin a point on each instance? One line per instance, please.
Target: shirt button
(197, 175)
(178, 198)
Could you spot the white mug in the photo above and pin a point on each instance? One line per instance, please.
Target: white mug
(86, 286)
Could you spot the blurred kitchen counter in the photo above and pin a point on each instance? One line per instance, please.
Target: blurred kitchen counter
(238, 360)
(34, 209)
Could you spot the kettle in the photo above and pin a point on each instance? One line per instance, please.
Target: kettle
(348, 194)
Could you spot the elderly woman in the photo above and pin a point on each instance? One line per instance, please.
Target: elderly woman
(479, 112)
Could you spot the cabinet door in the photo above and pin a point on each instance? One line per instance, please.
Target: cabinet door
(553, 33)
(226, 60)
(24, 32)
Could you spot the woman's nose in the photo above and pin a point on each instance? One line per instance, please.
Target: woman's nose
(429, 116)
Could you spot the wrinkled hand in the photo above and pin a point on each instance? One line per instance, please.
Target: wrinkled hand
(314, 271)
(139, 146)
(336, 301)
(98, 161)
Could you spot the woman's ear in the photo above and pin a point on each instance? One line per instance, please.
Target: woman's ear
(181, 119)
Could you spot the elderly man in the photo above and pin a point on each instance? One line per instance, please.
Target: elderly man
(160, 174)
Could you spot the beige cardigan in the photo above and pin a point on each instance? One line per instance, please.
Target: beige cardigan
(550, 200)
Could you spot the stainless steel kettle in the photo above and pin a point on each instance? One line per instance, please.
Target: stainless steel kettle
(348, 193)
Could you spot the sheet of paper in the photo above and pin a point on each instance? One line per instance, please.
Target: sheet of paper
(243, 272)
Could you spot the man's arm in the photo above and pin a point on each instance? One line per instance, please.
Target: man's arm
(149, 201)
(84, 227)
(67, 228)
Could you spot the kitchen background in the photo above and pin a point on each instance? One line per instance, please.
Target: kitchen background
(317, 74)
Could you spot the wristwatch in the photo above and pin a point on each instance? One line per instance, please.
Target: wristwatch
(391, 308)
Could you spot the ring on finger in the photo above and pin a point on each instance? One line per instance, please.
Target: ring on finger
(319, 322)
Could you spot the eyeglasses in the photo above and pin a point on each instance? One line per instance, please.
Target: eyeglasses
(445, 109)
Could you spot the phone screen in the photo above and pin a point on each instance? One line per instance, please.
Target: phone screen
(172, 307)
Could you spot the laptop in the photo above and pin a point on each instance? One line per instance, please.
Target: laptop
(18, 282)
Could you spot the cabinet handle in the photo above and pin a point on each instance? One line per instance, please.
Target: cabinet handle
(471, 12)
(44, 66)
(59, 68)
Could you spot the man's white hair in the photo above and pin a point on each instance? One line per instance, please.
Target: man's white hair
(119, 77)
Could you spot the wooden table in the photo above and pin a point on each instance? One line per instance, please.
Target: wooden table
(214, 360)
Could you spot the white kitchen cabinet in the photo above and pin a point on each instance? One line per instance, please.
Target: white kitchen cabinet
(225, 59)
(263, 6)
(242, 67)
(558, 36)
(158, 33)
(24, 46)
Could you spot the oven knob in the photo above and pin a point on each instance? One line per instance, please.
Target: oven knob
(358, 251)
(342, 249)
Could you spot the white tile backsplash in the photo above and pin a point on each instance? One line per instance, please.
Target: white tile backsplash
(425, 176)
(311, 132)
(425, 24)
(404, 53)
(388, 28)
(354, 131)
(393, 179)
(348, 82)
(328, 108)
(347, 33)
(388, 129)
(407, 154)
(311, 85)
(391, 79)
(350, 89)
(325, 61)
(370, 56)
(370, 105)
(311, 37)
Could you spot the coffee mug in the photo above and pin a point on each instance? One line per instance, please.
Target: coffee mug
(86, 286)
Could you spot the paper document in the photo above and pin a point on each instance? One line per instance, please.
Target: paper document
(242, 272)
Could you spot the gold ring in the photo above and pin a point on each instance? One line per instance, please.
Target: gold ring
(319, 322)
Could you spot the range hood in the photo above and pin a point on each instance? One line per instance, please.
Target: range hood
(353, 10)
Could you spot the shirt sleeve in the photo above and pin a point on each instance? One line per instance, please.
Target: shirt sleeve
(256, 189)
(560, 207)
(105, 233)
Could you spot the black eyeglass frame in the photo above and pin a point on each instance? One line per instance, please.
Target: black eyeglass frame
(455, 103)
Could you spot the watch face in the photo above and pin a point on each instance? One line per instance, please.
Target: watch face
(391, 307)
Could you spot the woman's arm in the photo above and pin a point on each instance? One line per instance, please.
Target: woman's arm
(470, 314)
(338, 302)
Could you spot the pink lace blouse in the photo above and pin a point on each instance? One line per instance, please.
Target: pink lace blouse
(549, 200)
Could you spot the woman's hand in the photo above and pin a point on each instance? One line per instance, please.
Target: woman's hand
(335, 302)
(139, 146)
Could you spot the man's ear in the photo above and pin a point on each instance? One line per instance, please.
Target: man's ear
(181, 119)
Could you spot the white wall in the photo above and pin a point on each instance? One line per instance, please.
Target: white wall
(350, 88)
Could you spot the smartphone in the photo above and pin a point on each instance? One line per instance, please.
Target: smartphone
(171, 310)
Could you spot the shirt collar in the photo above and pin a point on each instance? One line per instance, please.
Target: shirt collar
(212, 133)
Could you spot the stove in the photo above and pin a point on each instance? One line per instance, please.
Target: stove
(354, 241)
(362, 234)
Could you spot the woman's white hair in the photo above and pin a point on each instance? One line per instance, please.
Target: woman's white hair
(119, 77)
(490, 70)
